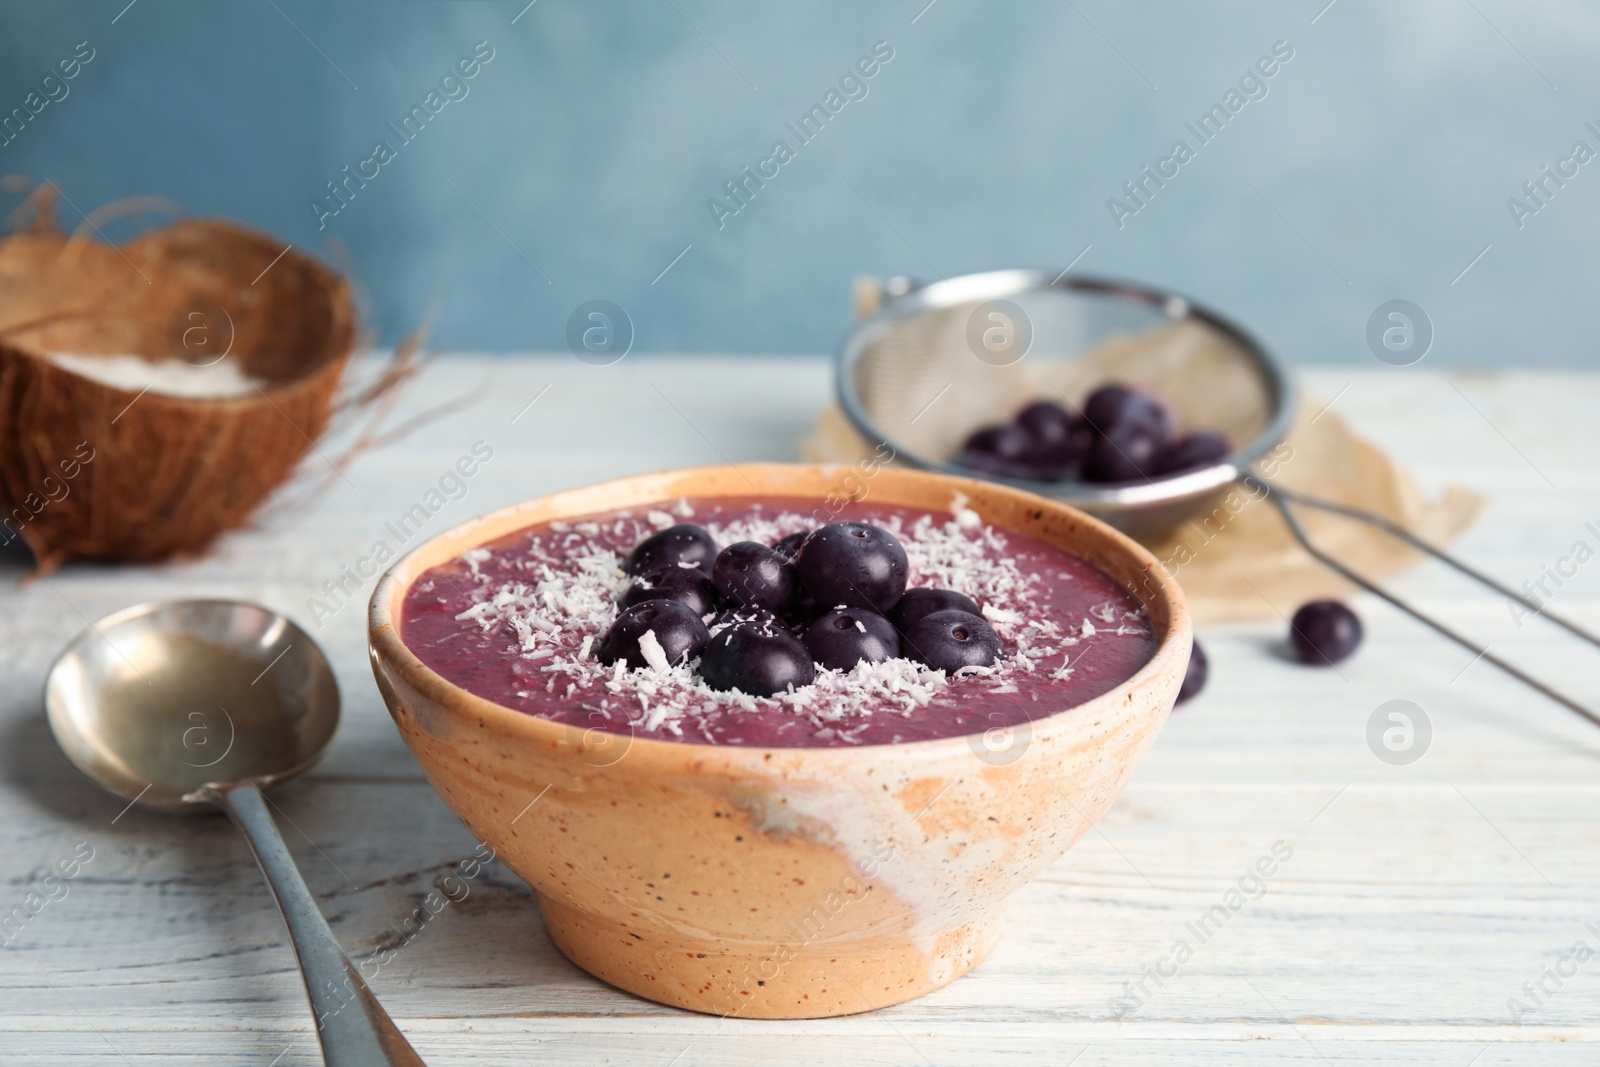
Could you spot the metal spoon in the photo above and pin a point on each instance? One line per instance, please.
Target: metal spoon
(190, 702)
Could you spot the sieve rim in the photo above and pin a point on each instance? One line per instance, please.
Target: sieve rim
(1125, 497)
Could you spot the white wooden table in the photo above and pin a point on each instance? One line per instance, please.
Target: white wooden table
(1418, 901)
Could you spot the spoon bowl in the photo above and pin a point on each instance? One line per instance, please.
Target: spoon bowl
(159, 700)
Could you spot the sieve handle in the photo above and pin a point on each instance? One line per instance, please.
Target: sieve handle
(1283, 498)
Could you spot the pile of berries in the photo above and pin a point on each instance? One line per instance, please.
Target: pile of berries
(1122, 434)
(833, 597)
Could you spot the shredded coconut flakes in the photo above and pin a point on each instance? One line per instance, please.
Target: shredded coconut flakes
(568, 599)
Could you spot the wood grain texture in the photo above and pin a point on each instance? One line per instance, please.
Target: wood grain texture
(1417, 901)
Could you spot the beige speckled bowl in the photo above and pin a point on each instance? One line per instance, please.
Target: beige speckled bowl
(784, 882)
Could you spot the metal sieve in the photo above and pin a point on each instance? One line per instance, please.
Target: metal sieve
(936, 362)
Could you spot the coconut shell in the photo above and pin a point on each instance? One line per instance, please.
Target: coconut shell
(91, 470)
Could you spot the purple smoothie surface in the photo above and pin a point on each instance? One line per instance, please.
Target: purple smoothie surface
(515, 621)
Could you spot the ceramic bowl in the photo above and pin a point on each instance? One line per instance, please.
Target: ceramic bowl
(780, 882)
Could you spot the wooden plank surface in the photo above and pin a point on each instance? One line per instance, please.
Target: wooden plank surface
(1418, 900)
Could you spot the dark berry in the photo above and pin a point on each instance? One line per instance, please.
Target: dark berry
(989, 463)
(1113, 407)
(852, 564)
(789, 547)
(760, 618)
(844, 637)
(1083, 433)
(1123, 455)
(1047, 421)
(917, 604)
(1006, 441)
(1191, 452)
(683, 543)
(1054, 462)
(801, 612)
(678, 630)
(752, 574)
(1194, 678)
(1324, 632)
(1106, 404)
(688, 585)
(949, 640)
(756, 662)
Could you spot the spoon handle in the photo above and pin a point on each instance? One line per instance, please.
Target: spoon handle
(354, 1029)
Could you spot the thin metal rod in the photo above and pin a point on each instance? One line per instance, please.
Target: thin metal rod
(1394, 529)
(1282, 500)
(364, 1036)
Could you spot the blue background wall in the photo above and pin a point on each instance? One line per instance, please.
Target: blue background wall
(1377, 167)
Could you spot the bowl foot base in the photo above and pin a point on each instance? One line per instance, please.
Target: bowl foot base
(784, 980)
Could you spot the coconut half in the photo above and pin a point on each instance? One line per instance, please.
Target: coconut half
(104, 462)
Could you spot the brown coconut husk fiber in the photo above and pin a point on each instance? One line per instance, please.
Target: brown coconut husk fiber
(91, 470)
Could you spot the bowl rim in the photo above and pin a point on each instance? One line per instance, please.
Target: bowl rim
(1124, 497)
(386, 648)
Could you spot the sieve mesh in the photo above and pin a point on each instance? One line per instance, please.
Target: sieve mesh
(921, 382)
